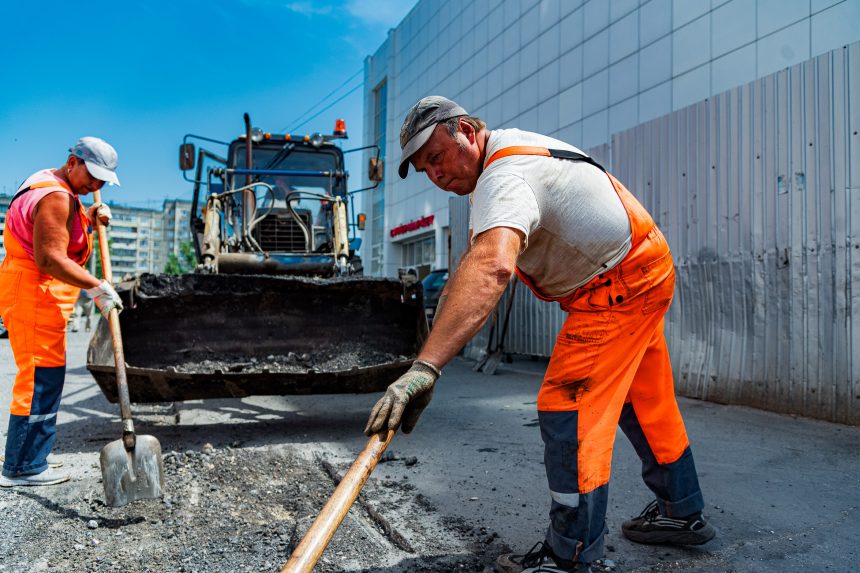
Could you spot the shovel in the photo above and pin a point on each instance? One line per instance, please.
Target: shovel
(132, 468)
(494, 359)
(305, 556)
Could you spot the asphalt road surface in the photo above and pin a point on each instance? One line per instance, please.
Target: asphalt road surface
(245, 477)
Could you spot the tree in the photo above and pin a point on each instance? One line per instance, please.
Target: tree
(184, 263)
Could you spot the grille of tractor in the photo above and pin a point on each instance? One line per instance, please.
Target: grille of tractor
(281, 234)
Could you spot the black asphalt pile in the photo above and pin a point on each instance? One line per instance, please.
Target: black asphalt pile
(342, 357)
(233, 510)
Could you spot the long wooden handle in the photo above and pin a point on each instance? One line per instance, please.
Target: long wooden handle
(116, 336)
(310, 549)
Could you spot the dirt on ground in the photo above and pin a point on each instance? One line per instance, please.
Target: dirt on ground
(230, 509)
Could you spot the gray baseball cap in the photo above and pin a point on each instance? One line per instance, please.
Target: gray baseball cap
(420, 123)
(99, 157)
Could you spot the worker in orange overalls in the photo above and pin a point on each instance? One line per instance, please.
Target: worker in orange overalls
(48, 239)
(575, 235)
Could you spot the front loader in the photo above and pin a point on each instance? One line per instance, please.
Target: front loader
(278, 303)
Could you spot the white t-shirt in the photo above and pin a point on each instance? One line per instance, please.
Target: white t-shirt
(575, 225)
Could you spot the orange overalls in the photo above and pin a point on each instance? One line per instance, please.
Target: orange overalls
(610, 366)
(35, 308)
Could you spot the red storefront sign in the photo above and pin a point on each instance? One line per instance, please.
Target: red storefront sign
(425, 221)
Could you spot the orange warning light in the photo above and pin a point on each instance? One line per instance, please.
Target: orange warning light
(339, 128)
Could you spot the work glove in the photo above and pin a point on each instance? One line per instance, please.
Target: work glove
(106, 298)
(404, 400)
(101, 211)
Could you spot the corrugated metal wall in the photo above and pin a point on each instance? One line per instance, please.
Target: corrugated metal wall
(758, 193)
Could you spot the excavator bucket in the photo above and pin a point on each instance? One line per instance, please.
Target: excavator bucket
(215, 336)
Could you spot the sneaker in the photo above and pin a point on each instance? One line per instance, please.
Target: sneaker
(539, 559)
(50, 476)
(651, 527)
(53, 461)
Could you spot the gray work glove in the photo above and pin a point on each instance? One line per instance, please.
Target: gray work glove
(105, 297)
(404, 400)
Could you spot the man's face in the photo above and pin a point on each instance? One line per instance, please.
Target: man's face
(452, 164)
(80, 179)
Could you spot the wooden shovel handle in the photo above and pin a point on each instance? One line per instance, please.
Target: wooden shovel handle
(116, 336)
(310, 549)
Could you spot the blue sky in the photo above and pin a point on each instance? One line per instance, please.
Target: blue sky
(143, 74)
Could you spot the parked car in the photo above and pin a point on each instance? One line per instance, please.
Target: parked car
(433, 285)
(3, 332)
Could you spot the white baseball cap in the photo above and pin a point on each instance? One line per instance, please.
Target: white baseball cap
(99, 157)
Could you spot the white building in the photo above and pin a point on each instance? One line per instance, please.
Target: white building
(175, 229)
(135, 240)
(578, 71)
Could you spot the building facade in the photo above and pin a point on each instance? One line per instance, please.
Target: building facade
(576, 70)
(735, 123)
(175, 229)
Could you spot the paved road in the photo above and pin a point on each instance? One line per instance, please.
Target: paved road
(783, 491)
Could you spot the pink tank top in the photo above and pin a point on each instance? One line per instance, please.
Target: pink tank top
(19, 220)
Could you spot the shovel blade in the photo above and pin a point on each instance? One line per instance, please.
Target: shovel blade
(130, 476)
(492, 363)
(482, 359)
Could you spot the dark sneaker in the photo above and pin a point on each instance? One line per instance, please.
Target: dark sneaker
(651, 527)
(539, 559)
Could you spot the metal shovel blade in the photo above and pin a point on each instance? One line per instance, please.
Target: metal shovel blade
(132, 475)
(493, 362)
(482, 359)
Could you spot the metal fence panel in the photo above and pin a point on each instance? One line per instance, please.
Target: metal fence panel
(761, 201)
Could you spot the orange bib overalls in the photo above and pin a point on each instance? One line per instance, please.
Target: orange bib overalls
(35, 308)
(610, 366)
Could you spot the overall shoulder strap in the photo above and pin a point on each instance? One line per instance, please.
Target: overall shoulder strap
(19, 193)
(542, 151)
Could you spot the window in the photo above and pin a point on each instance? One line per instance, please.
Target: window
(421, 251)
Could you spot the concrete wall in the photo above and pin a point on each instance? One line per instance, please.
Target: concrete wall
(582, 70)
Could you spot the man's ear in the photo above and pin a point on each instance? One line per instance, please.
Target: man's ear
(467, 130)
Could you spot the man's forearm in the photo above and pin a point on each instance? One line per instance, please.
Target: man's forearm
(471, 296)
(67, 271)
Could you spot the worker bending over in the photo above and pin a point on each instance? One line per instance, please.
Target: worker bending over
(575, 235)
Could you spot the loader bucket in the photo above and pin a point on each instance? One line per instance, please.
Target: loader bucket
(216, 336)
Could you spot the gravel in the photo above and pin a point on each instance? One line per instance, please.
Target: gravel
(339, 357)
(233, 510)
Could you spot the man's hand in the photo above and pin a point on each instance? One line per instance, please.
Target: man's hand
(404, 399)
(106, 298)
(101, 211)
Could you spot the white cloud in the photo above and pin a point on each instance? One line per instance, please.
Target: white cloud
(308, 8)
(386, 12)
